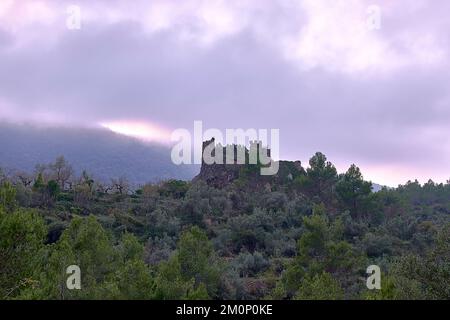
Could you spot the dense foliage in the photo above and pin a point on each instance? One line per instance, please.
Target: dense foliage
(311, 237)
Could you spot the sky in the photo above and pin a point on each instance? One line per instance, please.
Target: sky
(365, 82)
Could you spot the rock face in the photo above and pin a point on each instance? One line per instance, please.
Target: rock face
(218, 175)
(223, 173)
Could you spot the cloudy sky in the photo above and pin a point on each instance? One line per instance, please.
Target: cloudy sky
(322, 71)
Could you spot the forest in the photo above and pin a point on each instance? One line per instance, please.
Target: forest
(305, 236)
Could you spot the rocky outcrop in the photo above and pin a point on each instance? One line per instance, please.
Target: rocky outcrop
(220, 175)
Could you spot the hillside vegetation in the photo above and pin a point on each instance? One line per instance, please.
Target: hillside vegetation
(308, 235)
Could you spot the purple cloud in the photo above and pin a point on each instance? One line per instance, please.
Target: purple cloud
(379, 98)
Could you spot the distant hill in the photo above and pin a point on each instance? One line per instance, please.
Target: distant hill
(376, 187)
(101, 152)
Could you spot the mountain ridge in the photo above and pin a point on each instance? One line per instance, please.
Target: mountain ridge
(101, 152)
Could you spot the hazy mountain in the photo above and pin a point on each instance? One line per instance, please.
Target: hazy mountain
(103, 153)
(376, 187)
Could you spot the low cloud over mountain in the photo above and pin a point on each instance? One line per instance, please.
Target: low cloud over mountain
(103, 153)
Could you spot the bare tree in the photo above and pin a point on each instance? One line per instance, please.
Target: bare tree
(84, 189)
(24, 178)
(120, 185)
(61, 171)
